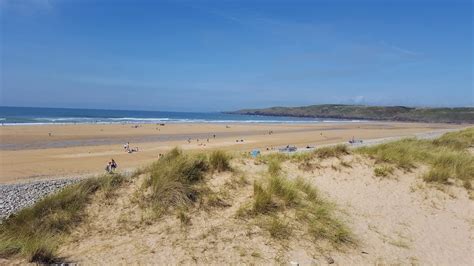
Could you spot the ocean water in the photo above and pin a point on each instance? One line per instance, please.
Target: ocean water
(39, 116)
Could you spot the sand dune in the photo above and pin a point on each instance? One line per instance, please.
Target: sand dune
(396, 220)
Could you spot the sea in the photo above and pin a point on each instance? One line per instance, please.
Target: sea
(46, 116)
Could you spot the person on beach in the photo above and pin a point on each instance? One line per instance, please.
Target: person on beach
(113, 165)
(132, 150)
(126, 146)
(108, 168)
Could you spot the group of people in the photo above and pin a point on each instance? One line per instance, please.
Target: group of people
(201, 144)
(127, 148)
(111, 166)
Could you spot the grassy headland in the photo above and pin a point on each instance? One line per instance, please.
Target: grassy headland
(387, 113)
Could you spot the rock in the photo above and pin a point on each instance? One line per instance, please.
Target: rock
(14, 197)
(329, 260)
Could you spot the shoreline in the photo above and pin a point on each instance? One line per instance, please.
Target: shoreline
(198, 121)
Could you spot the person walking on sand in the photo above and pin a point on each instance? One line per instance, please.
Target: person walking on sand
(113, 165)
(108, 168)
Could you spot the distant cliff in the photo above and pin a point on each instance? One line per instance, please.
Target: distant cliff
(388, 113)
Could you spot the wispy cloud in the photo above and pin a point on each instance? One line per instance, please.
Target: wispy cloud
(400, 50)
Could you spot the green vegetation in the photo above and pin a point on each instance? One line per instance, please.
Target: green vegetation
(305, 159)
(274, 156)
(454, 165)
(277, 197)
(331, 151)
(457, 140)
(279, 205)
(277, 227)
(448, 156)
(36, 232)
(174, 180)
(219, 161)
(184, 218)
(383, 170)
(274, 167)
(393, 113)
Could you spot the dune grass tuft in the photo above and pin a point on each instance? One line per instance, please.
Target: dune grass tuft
(274, 156)
(403, 153)
(262, 199)
(383, 170)
(184, 218)
(174, 180)
(305, 160)
(284, 189)
(274, 166)
(36, 232)
(276, 196)
(331, 151)
(447, 156)
(219, 161)
(458, 140)
(277, 227)
(450, 166)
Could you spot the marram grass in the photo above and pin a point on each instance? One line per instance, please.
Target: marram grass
(36, 232)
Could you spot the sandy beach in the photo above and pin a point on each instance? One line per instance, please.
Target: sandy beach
(52, 151)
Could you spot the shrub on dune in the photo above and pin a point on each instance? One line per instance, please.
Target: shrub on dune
(383, 171)
(447, 156)
(219, 161)
(331, 151)
(174, 180)
(275, 196)
(458, 140)
(274, 167)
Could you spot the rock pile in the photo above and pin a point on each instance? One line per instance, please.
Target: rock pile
(14, 197)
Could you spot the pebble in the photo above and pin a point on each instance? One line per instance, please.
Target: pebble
(14, 197)
(329, 260)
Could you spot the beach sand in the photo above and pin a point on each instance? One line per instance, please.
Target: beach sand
(397, 220)
(55, 151)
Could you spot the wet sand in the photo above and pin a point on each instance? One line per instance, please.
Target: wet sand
(50, 151)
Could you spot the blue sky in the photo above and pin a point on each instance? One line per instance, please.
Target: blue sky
(225, 55)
